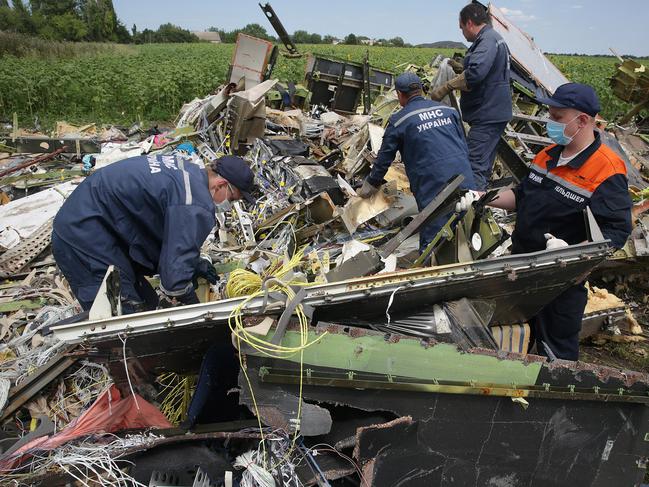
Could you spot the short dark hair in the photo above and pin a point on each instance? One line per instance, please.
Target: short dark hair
(476, 12)
(412, 88)
(414, 92)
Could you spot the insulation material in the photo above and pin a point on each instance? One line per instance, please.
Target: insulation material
(290, 119)
(113, 152)
(376, 137)
(397, 173)
(512, 338)
(359, 210)
(600, 299)
(26, 215)
(64, 129)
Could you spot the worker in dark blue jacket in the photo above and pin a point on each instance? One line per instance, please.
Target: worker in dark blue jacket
(430, 139)
(145, 215)
(578, 171)
(485, 99)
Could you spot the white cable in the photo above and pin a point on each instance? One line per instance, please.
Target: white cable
(128, 376)
(254, 475)
(387, 310)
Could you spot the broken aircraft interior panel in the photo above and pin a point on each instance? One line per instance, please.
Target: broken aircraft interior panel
(526, 54)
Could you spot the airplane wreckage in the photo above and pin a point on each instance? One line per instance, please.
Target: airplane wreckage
(330, 353)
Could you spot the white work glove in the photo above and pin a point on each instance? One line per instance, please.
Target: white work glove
(367, 190)
(467, 200)
(553, 242)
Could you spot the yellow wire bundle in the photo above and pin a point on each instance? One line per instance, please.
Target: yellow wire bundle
(179, 390)
(244, 282)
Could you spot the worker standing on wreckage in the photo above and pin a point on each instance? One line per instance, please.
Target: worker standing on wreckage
(485, 99)
(430, 139)
(578, 171)
(146, 215)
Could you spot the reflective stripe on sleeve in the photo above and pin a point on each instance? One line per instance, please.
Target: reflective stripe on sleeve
(188, 187)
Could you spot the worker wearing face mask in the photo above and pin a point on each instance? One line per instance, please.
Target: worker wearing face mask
(145, 215)
(578, 171)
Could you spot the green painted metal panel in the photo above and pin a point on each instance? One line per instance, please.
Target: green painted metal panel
(408, 357)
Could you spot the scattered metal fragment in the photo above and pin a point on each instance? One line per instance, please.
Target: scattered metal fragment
(15, 259)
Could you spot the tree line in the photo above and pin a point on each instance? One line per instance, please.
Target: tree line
(80, 20)
(96, 21)
(303, 37)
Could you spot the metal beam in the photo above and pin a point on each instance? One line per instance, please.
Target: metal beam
(529, 138)
(585, 256)
(279, 28)
(38, 145)
(353, 380)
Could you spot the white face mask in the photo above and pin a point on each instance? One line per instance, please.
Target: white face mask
(224, 206)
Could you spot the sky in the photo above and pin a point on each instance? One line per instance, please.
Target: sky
(557, 26)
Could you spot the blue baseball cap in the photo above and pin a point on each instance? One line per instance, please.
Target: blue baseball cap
(407, 82)
(574, 95)
(238, 173)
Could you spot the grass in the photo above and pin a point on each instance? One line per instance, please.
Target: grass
(20, 45)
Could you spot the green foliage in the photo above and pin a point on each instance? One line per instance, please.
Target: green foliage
(351, 40)
(64, 20)
(52, 7)
(20, 45)
(66, 26)
(255, 30)
(173, 33)
(303, 37)
(151, 81)
(101, 19)
(594, 71)
(165, 33)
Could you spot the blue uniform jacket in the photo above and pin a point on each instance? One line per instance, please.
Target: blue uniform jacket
(552, 199)
(486, 69)
(430, 139)
(157, 210)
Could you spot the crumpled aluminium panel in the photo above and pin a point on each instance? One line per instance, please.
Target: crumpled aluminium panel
(526, 53)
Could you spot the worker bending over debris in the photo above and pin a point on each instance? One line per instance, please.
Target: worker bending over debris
(430, 139)
(485, 99)
(146, 215)
(578, 171)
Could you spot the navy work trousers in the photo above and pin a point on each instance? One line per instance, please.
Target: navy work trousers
(559, 322)
(483, 141)
(85, 274)
(212, 401)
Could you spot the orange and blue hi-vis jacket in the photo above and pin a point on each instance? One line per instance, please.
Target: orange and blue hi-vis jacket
(552, 199)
